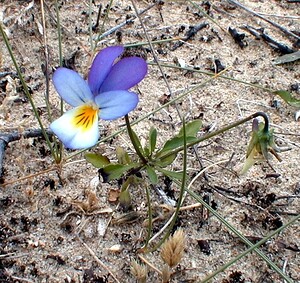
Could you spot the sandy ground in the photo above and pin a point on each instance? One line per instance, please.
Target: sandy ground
(46, 236)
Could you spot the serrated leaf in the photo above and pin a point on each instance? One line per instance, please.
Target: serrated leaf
(152, 139)
(97, 160)
(171, 174)
(287, 58)
(122, 155)
(288, 98)
(191, 128)
(175, 143)
(152, 175)
(115, 171)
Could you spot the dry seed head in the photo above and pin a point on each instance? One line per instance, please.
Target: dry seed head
(172, 249)
(139, 271)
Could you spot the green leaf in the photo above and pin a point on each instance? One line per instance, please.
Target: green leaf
(125, 199)
(171, 174)
(146, 150)
(152, 139)
(287, 58)
(163, 162)
(152, 175)
(288, 98)
(97, 160)
(122, 155)
(115, 171)
(175, 143)
(137, 141)
(192, 128)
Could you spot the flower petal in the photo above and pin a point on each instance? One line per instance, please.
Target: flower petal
(77, 128)
(115, 104)
(71, 87)
(101, 66)
(125, 74)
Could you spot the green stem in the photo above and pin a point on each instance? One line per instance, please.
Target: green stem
(150, 217)
(240, 235)
(206, 15)
(212, 75)
(266, 126)
(133, 141)
(91, 25)
(59, 148)
(182, 190)
(258, 244)
(220, 131)
(26, 91)
(129, 45)
(59, 34)
(103, 23)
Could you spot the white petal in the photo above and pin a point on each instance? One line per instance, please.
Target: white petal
(77, 128)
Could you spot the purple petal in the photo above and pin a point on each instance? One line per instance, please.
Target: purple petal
(101, 66)
(71, 87)
(125, 74)
(115, 104)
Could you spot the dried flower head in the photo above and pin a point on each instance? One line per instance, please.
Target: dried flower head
(172, 249)
(139, 271)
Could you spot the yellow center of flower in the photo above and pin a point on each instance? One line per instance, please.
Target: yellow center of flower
(85, 116)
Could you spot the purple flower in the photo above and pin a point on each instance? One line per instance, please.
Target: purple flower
(104, 95)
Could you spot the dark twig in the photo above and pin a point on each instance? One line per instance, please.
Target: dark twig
(128, 21)
(6, 138)
(260, 33)
(282, 48)
(189, 34)
(284, 30)
(94, 27)
(4, 74)
(238, 37)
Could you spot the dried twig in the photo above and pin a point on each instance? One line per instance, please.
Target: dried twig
(98, 260)
(19, 279)
(128, 21)
(149, 264)
(6, 138)
(261, 34)
(283, 29)
(189, 34)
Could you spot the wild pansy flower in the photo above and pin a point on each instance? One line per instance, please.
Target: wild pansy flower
(261, 144)
(105, 95)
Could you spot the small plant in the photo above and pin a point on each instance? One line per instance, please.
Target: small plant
(106, 95)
